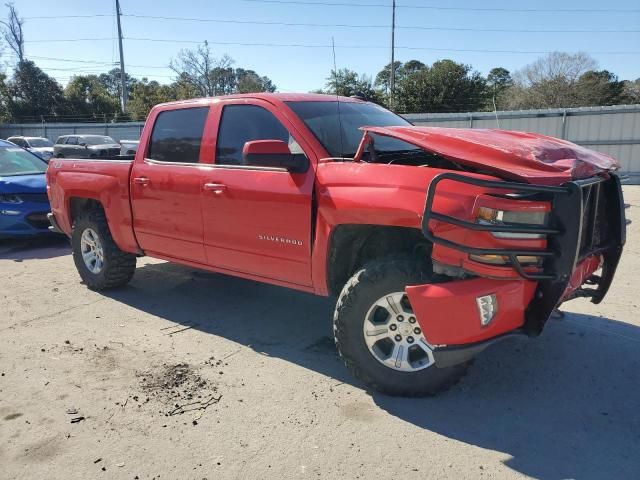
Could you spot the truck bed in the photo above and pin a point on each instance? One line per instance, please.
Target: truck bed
(73, 181)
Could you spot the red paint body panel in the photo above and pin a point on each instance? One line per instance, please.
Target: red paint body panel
(271, 225)
(523, 156)
(448, 313)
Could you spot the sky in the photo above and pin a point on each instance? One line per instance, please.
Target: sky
(68, 37)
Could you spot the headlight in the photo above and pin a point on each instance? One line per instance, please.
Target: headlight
(491, 216)
(10, 198)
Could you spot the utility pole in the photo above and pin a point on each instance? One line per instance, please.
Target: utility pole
(123, 78)
(392, 74)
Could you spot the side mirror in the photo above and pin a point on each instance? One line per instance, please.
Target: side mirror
(273, 153)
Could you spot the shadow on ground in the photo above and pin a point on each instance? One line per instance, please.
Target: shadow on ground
(38, 247)
(566, 405)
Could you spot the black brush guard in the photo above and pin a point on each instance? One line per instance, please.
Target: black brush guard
(586, 218)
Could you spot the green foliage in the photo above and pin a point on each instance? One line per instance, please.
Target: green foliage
(87, 97)
(346, 82)
(146, 94)
(445, 86)
(31, 93)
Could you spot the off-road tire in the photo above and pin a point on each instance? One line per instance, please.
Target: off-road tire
(376, 279)
(118, 266)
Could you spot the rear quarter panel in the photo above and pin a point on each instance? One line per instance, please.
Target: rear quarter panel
(106, 181)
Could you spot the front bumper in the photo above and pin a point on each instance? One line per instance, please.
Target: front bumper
(587, 218)
(22, 220)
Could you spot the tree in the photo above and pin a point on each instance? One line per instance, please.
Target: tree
(88, 97)
(249, 81)
(201, 74)
(401, 71)
(346, 82)
(498, 82)
(5, 107)
(550, 81)
(146, 94)
(12, 32)
(112, 83)
(631, 91)
(32, 93)
(599, 88)
(446, 86)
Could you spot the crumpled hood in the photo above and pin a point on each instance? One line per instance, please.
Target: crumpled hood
(35, 183)
(528, 157)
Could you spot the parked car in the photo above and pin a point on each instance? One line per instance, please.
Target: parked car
(41, 146)
(23, 192)
(129, 147)
(85, 146)
(435, 241)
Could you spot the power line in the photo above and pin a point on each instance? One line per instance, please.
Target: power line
(434, 7)
(350, 25)
(315, 46)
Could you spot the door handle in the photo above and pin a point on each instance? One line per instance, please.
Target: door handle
(216, 188)
(141, 181)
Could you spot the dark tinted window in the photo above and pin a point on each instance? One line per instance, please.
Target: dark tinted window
(337, 129)
(244, 123)
(72, 141)
(60, 140)
(177, 135)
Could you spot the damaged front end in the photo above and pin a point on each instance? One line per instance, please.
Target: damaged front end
(584, 232)
(536, 221)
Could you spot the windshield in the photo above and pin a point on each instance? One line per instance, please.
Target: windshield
(40, 142)
(97, 140)
(324, 120)
(15, 161)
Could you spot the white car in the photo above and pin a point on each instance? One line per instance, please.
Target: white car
(42, 147)
(129, 147)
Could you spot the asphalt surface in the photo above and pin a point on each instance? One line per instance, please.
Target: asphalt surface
(186, 374)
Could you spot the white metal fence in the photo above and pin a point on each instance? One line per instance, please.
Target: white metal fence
(612, 130)
(118, 131)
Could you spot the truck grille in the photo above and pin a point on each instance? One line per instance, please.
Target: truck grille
(594, 220)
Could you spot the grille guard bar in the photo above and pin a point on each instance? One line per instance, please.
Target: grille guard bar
(564, 236)
(512, 253)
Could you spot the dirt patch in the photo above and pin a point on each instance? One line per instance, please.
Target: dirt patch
(179, 387)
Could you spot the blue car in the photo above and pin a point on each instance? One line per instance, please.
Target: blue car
(23, 193)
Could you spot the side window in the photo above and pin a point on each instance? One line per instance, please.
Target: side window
(18, 141)
(72, 141)
(177, 135)
(60, 140)
(244, 123)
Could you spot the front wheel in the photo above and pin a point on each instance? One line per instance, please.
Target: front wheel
(99, 261)
(378, 337)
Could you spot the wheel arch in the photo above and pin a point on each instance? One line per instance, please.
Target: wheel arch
(351, 246)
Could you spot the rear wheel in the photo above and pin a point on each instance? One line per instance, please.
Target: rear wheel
(99, 261)
(377, 334)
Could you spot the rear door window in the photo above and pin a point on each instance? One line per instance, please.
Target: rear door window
(177, 135)
(72, 141)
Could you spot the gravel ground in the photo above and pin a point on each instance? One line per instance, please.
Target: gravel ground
(185, 374)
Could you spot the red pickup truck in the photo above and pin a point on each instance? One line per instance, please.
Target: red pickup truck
(435, 241)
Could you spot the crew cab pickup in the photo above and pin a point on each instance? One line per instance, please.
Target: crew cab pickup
(435, 241)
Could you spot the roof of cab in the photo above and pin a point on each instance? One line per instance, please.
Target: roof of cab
(270, 97)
